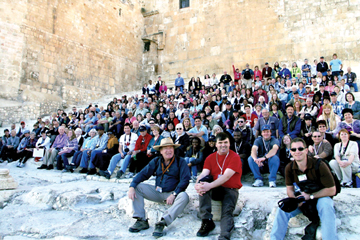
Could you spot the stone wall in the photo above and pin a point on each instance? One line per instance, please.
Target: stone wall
(59, 47)
(211, 35)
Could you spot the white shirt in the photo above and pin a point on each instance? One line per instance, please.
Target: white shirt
(128, 141)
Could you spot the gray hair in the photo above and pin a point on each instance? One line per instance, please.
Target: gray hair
(216, 127)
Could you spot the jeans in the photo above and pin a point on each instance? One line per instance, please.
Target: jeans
(273, 163)
(115, 159)
(77, 158)
(325, 207)
(353, 85)
(336, 73)
(92, 156)
(193, 167)
(181, 88)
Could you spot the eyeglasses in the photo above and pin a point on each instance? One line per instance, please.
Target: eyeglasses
(179, 129)
(294, 149)
(317, 136)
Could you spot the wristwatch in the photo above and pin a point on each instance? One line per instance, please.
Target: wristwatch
(174, 193)
(265, 157)
(312, 197)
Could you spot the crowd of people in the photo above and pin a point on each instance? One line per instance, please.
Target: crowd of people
(260, 114)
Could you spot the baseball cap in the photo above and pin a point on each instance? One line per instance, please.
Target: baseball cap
(333, 94)
(100, 128)
(228, 103)
(307, 86)
(142, 128)
(26, 131)
(308, 116)
(265, 127)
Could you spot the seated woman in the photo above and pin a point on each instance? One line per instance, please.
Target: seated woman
(346, 160)
(194, 157)
(67, 151)
(89, 144)
(353, 126)
(27, 153)
(353, 105)
(284, 154)
(182, 138)
(331, 119)
(307, 129)
(257, 113)
(169, 130)
(275, 112)
(186, 124)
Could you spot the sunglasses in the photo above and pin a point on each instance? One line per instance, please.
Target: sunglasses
(317, 136)
(294, 149)
(179, 129)
(241, 121)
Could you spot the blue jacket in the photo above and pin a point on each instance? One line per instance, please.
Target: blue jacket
(175, 179)
(101, 143)
(285, 72)
(23, 143)
(152, 143)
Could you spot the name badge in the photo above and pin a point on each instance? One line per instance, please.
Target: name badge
(302, 177)
(158, 189)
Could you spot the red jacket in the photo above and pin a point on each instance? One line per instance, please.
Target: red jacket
(237, 75)
(139, 145)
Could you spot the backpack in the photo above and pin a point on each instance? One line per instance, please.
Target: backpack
(247, 74)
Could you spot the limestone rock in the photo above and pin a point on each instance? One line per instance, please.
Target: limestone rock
(6, 181)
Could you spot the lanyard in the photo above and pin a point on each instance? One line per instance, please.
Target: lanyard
(344, 149)
(166, 169)
(221, 168)
(308, 129)
(316, 151)
(266, 148)
(288, 154)
(238, 148)
(266, 122)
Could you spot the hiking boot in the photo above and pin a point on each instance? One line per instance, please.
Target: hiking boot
(50, 167)
(272, 184)
(139, 225)
(83, 170)
(42, 167)
(92, 171)
(119, 174)
(105, 174)
(159, 227)
(207, 226)
(258, 183)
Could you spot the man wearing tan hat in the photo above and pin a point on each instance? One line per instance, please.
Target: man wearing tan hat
(172, 179)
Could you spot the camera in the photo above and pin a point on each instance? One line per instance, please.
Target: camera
(126, 150)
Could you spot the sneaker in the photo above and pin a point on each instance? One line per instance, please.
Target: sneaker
(139, 225)
(258, 183)
(43, 166)
(272, 184)
(207, 226)
(18, 164)
(50, 167)
(21, 165)
(92, 171)
(65, 170)
(105, 174)
(348, 184)
(83, 170)
(71, 168)
(159, 227)
(129, 175)
(193, 179)
(119, 174)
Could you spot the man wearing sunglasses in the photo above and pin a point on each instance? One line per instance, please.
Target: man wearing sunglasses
(303, 169)
(321, 147)
(263, 155)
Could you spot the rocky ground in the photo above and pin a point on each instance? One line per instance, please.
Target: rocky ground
(55, 205)
(52, 205)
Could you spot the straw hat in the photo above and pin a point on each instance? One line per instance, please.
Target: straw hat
(165, 142)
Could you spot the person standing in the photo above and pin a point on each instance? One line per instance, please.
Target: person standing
(248, 76)
(322, 67)
(303, 168)
(266, 72)
(350, 78)
(224, 168)
(179, 83)
(237, 75)
(336, 65)
(172, 179)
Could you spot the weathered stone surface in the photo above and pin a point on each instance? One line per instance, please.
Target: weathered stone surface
(6, 181)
